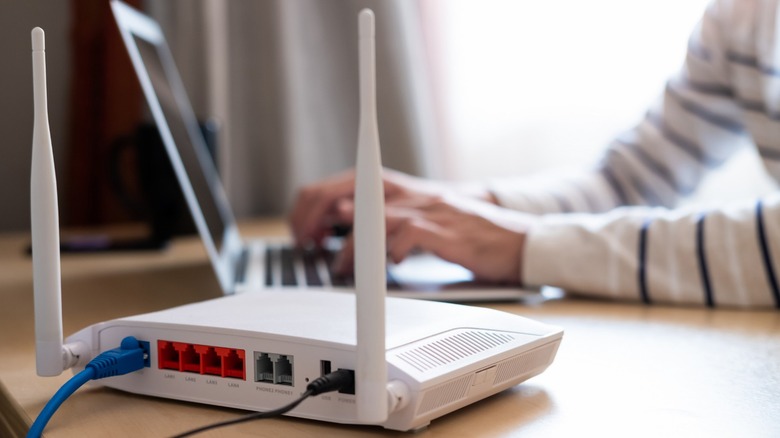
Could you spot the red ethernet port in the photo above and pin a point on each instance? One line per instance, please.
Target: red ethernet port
(201, 359)
(232, 362)
(167, 356)
(211, 363)
(189, 360)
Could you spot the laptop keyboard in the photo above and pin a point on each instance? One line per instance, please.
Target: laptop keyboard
(290, 266)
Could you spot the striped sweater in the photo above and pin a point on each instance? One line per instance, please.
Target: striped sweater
(622, 236)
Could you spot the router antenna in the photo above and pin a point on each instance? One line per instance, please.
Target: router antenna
(370, 255)
(51, 357)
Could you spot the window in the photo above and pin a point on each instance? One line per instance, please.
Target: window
(525, 85)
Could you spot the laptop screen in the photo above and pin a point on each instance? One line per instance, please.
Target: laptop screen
(183, 140)
(189, 141)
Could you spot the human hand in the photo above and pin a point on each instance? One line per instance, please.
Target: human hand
(486, 239)
(322, 205)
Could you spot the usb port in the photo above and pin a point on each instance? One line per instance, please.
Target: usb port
(324, 367)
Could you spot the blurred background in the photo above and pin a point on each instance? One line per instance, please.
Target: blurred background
(467, 90)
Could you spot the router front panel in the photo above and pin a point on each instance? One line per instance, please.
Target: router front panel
(260, 371)
(225, 369)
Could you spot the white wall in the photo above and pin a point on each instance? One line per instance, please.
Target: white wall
(17, 19)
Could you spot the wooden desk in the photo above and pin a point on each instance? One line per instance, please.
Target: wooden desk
(622, 369)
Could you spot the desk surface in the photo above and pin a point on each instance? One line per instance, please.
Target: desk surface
(622, 369)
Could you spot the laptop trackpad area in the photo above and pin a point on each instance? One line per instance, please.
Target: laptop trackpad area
(427, 271)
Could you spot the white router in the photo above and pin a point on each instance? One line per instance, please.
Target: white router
(413, 360)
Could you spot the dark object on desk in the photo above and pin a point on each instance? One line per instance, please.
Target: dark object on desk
(341, 230)
(103, 242)
(143, 179)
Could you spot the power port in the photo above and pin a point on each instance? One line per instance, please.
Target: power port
(351, 388)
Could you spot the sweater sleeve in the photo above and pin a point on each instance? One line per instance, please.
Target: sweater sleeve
(721, 257)
(727, 94)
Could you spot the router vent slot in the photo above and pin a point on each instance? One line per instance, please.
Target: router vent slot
(523, 364)
(456, 390)
(452, 348)
(444, 394)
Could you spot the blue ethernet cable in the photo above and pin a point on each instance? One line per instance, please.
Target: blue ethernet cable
(129, 357)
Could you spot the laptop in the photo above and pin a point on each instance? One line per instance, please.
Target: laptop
(243, 264)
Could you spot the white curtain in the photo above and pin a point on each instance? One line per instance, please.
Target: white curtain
(281, 77)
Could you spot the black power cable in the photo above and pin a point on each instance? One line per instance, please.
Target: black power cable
(330, 382)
